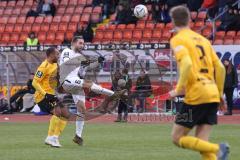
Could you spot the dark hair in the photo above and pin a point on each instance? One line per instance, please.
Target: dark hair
(50, 51)
(76, 38)
(180, 16)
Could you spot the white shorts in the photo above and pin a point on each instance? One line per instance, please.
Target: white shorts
(73, 85)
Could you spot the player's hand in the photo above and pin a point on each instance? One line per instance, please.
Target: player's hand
(222, 105)
(101, 59)
(173, 94)
(50, 97)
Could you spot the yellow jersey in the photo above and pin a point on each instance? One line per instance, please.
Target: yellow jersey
(46, 77)
(200, 86)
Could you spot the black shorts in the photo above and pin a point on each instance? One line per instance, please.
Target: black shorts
(47, 106)
(192, 115)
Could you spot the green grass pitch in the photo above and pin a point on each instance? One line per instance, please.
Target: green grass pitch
(24, 141)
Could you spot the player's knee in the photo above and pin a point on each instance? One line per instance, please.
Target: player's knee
(175, 138)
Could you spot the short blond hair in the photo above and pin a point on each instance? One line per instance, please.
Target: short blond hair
(180, 16)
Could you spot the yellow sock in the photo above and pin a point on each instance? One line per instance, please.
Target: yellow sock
(209, 156)
(60, 126)
(52, 125)
(197, 144)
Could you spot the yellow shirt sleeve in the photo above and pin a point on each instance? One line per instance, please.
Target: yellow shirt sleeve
(184, 63)
(219, 72)
(39, 76)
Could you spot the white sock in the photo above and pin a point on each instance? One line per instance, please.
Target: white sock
(99, 90)
(79, 127)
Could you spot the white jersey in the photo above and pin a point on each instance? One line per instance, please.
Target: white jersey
(70, 64)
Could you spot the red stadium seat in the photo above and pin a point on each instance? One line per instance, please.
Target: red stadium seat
(150, 25)
(218, 42)
(137, 34)
(54, 27)
(228, 42)
(23, 37)
(99, 35)
(27, 28)
(166, 34)
(36, 28)
(238, 33)
(18, 28)
(78, 10)
(121, 26)
(89, 2)
(64, 3)
(3, 20)
(39, 20)
(87, 10)
(207, 32)
(230, 34)
(59, 37)
(66, 19)
(108, 35)
(14, 38)
(41, 37)
(72, 27)
(220, 35)
(202, 15)
(3, 4)
(144, 41)
(11, 4)
(150, 17)
(112, 27)
(95, 18)
(12, 20)
(85, 18)
(9, 28)
(140, 25)
(63, 27)
(97, 10)
(61, 10)
(69, 36)
(117, 35)
(70, 10)
(82, 2)
(57, 19)
(48, 19)
(7, 11)
(237, 41)
(101, 27)
(16, 11)
(127, 34)
(24, 10)
(199, 24)
(28, 3)
(20, 3)
(73, 3)
(154, 40)
(130, 26)
(169, 26)
(5, 38)
(1, 11)
(2, 28)
(157, 34)
(159, 26)
(134, 41)
(30, 20)
(75, 18)
(44, 27)
(147, 34)
(50, 37)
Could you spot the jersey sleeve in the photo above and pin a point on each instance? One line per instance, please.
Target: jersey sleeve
(65, 56)
(184, 62)
(40, 74)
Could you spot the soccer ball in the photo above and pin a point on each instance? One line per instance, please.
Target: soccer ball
(140, 11)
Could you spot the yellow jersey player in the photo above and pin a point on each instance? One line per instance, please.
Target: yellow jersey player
(45, 82)
(201, 79)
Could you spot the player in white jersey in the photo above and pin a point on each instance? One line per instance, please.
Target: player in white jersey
(73, 67)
